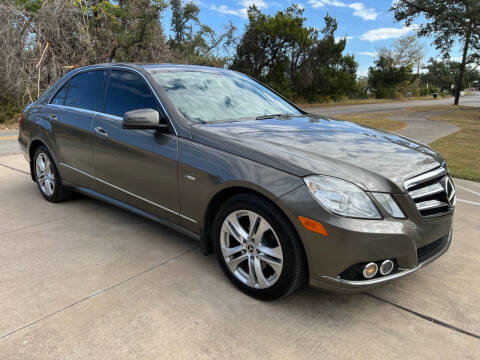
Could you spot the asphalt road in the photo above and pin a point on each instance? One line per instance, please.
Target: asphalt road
(399, 105)
(85, 280)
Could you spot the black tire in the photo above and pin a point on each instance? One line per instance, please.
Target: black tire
(59, 192)
(294, 270)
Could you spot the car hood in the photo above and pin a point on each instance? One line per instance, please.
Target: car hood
(304, 145)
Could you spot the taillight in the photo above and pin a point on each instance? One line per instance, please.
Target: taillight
(20, 121)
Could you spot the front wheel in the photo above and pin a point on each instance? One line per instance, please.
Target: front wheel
(257, 247)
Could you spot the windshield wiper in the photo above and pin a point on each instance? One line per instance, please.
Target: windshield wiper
(263, 117)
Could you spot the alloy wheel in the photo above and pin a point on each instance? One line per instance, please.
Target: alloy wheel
(45, 174)
(251, 249)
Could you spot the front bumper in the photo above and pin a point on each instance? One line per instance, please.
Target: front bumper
(354, 241)
(328, 282)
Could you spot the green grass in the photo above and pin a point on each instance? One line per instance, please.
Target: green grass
(461, 149)
(363, 101)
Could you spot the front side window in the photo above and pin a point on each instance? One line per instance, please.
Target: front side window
(125, 92)
(86, 90)
(205, 96)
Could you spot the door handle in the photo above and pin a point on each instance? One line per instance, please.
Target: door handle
(52, 116)
(101, 132)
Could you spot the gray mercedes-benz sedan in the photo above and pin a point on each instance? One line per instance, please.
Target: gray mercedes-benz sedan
(281, 196)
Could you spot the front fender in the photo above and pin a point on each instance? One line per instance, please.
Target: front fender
(204, 172)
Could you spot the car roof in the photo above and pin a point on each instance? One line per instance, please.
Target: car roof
(147, 66)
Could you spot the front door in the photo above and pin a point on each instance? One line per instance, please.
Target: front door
(138, 167)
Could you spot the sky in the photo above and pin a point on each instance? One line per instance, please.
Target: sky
(368, 25)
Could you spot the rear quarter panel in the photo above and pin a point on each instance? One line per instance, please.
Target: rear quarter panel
(35, 127)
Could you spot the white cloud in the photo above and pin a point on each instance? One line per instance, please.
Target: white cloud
(368, 53)
(258, 3)
(242, 12)
(359, 9)
(386, 33)
(224, 9)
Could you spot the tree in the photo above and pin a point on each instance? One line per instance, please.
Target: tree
(42, 39)
(194, 42)
(439, 75)
(409, 51)
(386, 78)
(125, 30)
(296, 60)
(447, 21)
(183, 18)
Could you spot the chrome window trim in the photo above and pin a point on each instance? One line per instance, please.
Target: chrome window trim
(127, 192)
(73, 109)
(115, 68)
(109, 117)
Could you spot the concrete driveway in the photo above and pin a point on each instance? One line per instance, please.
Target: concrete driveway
(85, 280)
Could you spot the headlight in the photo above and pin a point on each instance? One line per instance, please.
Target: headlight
(390, 205)
(341, 197)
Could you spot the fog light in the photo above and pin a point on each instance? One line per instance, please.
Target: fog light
(386, 267)
(370, 270)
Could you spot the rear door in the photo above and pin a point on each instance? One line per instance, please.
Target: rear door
(71, 113)
(138, 167)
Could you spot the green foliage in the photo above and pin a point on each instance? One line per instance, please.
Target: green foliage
(196, 43)
(10, 110)
(447, 21)
(387, 79)
(442, 75)
(31, 6)
(294, 59)
(125, 30)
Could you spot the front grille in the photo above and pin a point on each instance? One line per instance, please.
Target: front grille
(433, 193)
(428, 251)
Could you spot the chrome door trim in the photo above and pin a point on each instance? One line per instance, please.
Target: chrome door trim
(187, 218)
(126, 192)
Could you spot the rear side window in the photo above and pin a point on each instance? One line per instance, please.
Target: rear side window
(86, 90)
(127, 91)
(59, 99)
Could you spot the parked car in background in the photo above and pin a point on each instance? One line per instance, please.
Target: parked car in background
(281, 196)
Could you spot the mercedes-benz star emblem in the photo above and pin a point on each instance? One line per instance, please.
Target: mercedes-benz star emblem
(450, 191)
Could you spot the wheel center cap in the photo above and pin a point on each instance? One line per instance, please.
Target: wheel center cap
(250, 248)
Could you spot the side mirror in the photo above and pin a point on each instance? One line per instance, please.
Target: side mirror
(143, 119)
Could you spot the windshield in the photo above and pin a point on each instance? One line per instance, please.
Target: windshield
(205, 96)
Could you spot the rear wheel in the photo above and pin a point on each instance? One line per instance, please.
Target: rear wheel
(257, 248)
(47, 176)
